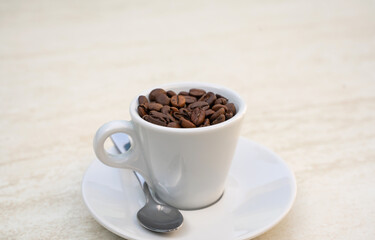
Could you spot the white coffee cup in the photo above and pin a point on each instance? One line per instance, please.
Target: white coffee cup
(186, 167)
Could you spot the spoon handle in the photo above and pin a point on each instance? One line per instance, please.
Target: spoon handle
(122, 143)
(141, 181)
(148, 195)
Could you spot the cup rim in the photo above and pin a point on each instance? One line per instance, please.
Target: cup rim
(188, 85)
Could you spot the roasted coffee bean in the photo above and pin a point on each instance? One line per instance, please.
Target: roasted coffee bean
(206, 122)
(197, 116)
(174, 109)
(217, 114)
(142, 110)
(221, 100)
(209, 98)
(231, 108)
(209, 112)
(186, 123)
(182, 112)
(146, 106)
(190, 99)
(217, 106)
(185, 112)
(219, 119)
(228, 115)
(166, 116)
(195, 92)
(170, 93)
(162, 99)
(154, 106)
(200, 104)
(159, 115)
(165, 109)
(183, 93)
(220, 96)
(142, 100)
(178, 101)
(154, 120)
(155, 92)
(170, 118)
(174, 125)
(178, 115)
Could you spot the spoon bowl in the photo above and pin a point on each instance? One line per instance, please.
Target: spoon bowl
(158, 217)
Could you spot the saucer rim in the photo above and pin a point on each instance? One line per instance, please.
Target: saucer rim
(293, 186)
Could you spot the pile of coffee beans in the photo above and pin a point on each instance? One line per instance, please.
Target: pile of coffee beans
(196, 108)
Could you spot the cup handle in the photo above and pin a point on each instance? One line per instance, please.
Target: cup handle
(130, 159)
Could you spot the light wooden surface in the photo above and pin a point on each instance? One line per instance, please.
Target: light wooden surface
(305, 68)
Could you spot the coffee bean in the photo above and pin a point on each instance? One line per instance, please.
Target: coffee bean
(174, 109)
(221, 100)
(170, 93)
(155, 92)
(178, 101)
(178, 115)
(228, 115)
(165, 109)
(209, 97)
(154, 106)
(146, 106)
(154, 120)
(220, 96)
(200, 104)
(186, 123)
(159, 115)
(168, 113)
(183, 93)
(197, 116)
(190, 99)
(219, 119)
(170, 118)
(217, 106)
(209, 112)
(185, 112)
(163, 115)
(195, 92)
(174, 125)
(231, 108)
(162, 99)
(142, 110)
(206, 122)
(217, 114)
(142, 100)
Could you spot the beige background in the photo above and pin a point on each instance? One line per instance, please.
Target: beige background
(305, 68)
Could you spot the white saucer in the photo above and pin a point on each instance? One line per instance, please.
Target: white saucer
(260, 191)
